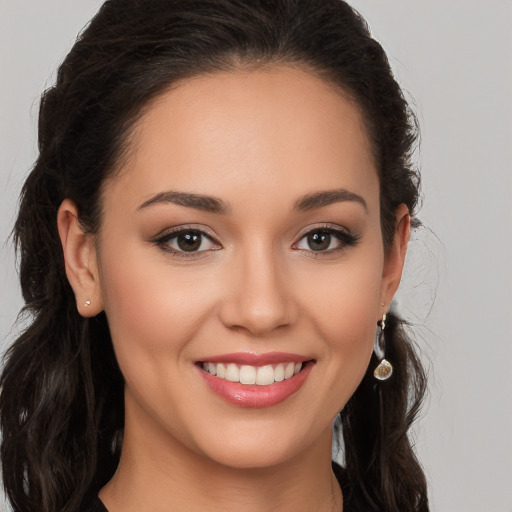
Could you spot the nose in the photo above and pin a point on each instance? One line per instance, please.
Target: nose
(257, 295)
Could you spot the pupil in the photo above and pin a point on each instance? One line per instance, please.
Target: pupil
(319, 241)
(189, 242)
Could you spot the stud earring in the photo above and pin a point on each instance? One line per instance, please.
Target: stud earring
(87, 303)
(384, 369)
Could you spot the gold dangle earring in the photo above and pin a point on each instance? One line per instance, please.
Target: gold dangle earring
(384, 370)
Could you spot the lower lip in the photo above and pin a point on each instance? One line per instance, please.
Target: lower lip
(252, 395)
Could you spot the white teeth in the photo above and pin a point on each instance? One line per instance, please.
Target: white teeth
(232, 373)
(265, 375)
(279, 373)
(246, 374)
(288, 370)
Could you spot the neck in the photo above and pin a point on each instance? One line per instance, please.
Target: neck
(160, 474)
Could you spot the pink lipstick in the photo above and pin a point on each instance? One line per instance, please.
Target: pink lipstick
(255, 380)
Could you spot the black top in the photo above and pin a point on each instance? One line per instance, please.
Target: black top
(94, 505)
(351, 503)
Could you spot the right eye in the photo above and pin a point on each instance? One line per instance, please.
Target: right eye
(187, 242)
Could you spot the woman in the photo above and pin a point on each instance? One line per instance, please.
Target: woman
(210, 242)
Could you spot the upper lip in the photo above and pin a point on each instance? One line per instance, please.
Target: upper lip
(250, 359)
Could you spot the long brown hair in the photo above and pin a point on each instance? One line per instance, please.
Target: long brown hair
(62, 410)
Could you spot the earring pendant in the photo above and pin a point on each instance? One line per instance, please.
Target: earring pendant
(383, 371)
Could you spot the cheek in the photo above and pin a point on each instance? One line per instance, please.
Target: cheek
(348, 297)
(153, 310)
(345, 304)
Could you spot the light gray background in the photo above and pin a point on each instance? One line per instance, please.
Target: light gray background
(453, 57)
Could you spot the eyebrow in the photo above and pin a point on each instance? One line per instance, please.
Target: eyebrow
(215, 205)
(327, 197)
(197, 201)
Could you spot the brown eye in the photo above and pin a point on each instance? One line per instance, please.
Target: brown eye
(326, 240)
(187, 241)
(190, 241)
(319, 240)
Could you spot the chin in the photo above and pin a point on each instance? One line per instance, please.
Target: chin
(259, 445)
(244, 455)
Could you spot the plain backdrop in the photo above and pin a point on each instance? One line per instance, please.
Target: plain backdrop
(454, 60)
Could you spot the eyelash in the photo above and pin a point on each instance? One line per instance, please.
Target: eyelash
(163, 241)
(344, 238)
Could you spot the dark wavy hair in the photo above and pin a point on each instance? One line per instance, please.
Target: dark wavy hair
(62, 408)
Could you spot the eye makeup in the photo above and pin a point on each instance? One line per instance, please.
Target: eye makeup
(192, 241)
(186, 241)
(326, 240)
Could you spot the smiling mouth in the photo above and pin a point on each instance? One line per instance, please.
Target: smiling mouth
(271, 378)
(253, 375)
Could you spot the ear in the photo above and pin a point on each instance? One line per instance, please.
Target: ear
(394, 257)
(80, 260)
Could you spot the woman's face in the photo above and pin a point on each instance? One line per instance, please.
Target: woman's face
(244, 232)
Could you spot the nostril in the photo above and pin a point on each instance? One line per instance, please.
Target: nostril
(257, 305)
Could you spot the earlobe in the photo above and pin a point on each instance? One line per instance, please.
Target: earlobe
(80, 260)
(395, 254)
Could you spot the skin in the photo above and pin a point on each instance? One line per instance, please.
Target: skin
(258, 141)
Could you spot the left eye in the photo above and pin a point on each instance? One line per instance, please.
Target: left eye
(322, 240)
(187, 241)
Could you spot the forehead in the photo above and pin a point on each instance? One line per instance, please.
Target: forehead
(261, 129)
